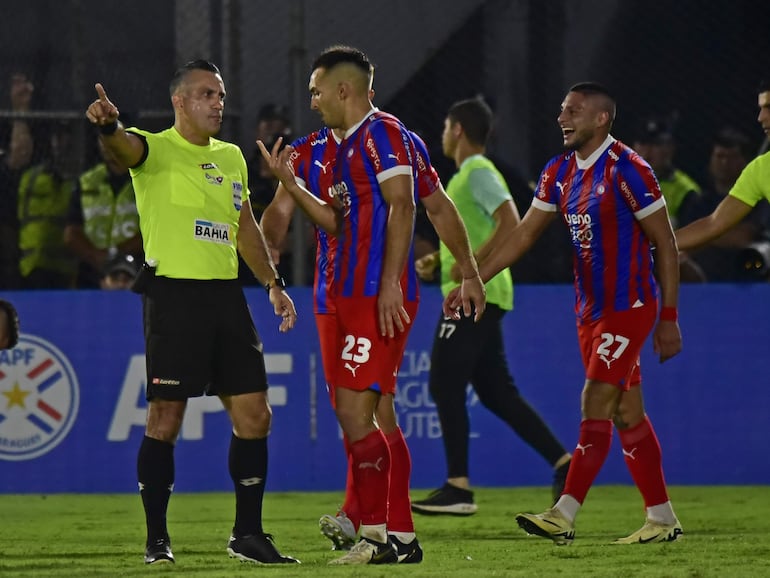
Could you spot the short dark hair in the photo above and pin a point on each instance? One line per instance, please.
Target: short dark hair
(342, 54)
(594, 88)
(183, 70)
(731, 138)
(764, 86)
(475, 116)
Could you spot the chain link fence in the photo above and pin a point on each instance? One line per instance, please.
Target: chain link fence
(698, 63)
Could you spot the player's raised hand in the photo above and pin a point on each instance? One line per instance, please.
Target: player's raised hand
(102, 111)
(278, 161)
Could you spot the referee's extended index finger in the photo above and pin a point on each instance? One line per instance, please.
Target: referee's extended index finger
(100, 92)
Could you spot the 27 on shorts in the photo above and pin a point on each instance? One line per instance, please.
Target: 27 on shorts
(367, 360)
(610, 346)
(200, 339)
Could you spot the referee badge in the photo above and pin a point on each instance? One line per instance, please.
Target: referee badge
(237, 195)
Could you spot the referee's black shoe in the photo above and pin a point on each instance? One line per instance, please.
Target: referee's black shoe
(257, 548)
(159, 552)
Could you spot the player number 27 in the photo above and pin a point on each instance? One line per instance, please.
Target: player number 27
(356, 349)
(608, 340)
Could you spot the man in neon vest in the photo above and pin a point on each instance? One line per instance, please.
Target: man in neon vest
(45, 190)
(102, 221)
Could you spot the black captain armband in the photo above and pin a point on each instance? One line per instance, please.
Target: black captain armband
(108, 129)
(277, 282)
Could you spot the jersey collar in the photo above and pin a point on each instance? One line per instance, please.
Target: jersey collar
(356, 126)
(588, 162)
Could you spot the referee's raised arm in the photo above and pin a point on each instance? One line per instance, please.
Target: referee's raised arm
(128, 148)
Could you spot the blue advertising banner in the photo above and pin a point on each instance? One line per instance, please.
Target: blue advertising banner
(72, 405)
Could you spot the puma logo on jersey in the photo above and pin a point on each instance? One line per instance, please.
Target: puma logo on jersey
(371, 465)
(351, 368)
(560, 187)
(322, 165)
(393, 156)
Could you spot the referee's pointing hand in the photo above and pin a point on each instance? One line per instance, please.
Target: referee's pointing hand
(102, 111)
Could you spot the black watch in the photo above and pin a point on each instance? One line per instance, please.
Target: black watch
(277, 282)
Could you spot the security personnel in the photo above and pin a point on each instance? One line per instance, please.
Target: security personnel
(45, 190)
(655, 143)
(195, 216)
(102, 220)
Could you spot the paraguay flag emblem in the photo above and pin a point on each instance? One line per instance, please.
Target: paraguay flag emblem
(39, 399)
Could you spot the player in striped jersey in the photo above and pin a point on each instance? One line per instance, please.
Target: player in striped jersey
(610, 200)
(311, 160)
(375, 170)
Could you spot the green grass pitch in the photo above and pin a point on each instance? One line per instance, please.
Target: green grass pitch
(727, 533)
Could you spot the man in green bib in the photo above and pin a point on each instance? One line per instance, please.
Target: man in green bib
(466, 351)
(195, 217)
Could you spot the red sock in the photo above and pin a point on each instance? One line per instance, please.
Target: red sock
(641, 451)
(350, 506)
(399, 507)
(370, 459)
(588, 457)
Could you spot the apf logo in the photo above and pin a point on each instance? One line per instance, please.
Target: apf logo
(39, 399)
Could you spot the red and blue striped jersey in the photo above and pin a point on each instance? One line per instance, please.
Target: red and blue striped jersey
(378, 148)
(602, 198)
(313, 163)
(427, 178)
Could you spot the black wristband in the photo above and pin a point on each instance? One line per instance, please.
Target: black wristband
(108, 129)
(277, 282)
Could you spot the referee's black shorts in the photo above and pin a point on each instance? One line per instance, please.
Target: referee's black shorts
(200, 339)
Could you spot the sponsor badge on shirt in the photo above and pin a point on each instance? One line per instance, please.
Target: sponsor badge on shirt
(212, 232)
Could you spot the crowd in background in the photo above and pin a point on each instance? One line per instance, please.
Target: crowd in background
(65, 226)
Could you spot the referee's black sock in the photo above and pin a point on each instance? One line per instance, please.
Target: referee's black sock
(248, 469)
(155, 472)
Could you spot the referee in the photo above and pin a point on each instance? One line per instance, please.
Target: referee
(195, 217)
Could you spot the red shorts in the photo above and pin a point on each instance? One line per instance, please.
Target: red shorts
(328, 339)
(610, 347)
(366, 360)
